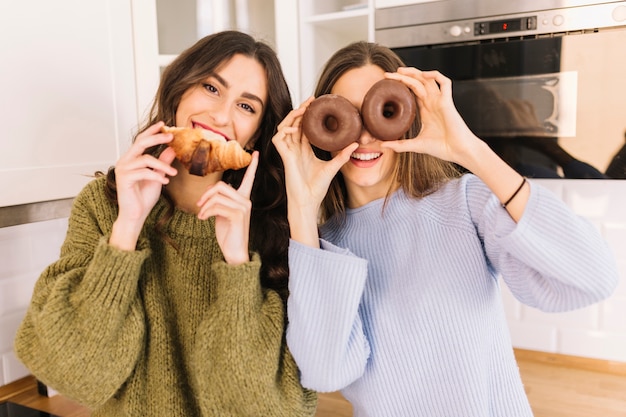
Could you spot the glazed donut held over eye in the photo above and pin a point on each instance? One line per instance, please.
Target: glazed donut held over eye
(331, 123)
(389, 108)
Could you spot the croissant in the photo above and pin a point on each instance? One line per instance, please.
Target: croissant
(202, 151)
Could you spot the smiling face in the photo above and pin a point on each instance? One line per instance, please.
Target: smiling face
(229, 102)
(370, 172)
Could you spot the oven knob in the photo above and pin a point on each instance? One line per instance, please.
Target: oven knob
(558, 20)
(456, 30)
(619, 13)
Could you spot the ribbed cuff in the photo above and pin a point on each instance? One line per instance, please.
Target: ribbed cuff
(111, 277)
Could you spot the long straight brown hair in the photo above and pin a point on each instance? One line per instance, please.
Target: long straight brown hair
(417, 174)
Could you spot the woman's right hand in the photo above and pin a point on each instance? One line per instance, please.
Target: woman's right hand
(139, 179)
(307, 177)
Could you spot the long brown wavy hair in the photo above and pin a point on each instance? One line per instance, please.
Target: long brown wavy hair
(417, 174)
(269, 234)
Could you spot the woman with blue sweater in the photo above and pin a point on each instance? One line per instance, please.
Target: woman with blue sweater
(394, 295)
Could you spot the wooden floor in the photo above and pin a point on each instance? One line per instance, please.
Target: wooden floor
(557, 386)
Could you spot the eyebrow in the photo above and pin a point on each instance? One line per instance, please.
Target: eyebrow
(247, 95)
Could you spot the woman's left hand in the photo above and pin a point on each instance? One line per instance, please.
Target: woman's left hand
(444, 133)
(231, 208)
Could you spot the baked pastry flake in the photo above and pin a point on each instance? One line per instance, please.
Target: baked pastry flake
(203, 152)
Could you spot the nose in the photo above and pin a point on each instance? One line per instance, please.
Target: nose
(222, 114)
(366, 137)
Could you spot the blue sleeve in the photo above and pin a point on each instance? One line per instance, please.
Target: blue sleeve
(552, 259)
(325, 332)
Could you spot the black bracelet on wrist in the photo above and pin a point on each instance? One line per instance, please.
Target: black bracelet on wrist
(515, 193)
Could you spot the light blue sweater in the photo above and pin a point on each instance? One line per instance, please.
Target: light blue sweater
(402, 311)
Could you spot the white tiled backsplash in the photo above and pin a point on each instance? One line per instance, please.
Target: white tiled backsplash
(25, 250)
(598, 331)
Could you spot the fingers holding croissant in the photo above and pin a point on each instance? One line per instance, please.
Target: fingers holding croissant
(203, 152)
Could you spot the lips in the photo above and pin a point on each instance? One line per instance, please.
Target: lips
(365, 156)
(205, 127)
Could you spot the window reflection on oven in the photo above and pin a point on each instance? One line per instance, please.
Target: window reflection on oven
(522, 117)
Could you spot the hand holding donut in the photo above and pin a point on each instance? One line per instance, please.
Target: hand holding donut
(444, 133)
(139, 178)
(389, 109)
(307, 177)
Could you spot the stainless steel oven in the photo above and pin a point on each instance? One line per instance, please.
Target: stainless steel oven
(542, 81)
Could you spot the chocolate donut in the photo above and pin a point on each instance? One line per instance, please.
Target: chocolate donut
(331, 122)
(388, 110)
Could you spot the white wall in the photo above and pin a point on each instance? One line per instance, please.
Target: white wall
(598, 331)
(25, 250)
(68, 94)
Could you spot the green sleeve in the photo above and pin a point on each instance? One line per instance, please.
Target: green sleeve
(84, 329)
(241, 351)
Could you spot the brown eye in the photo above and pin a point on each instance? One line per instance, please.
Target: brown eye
(210, 88)
(247, 108)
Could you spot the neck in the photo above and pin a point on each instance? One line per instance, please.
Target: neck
(359, 196)
(185, 189)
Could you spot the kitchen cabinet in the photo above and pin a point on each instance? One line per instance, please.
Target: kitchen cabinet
(68, 95)
(323, 28)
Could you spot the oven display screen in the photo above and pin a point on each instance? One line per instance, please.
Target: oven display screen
(503, 26)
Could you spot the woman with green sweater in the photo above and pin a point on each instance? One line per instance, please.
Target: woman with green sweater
(168, 297)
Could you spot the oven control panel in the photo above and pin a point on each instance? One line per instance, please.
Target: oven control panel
(519, 24)
(532, 23)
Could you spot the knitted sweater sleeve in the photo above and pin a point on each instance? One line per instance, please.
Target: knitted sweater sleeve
(84, 329)
(552, 259)
(242, 363)
(325, 331)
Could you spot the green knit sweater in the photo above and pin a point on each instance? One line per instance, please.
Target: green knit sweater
(158, 331)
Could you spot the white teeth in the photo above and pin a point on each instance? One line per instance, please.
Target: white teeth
(366, 156)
